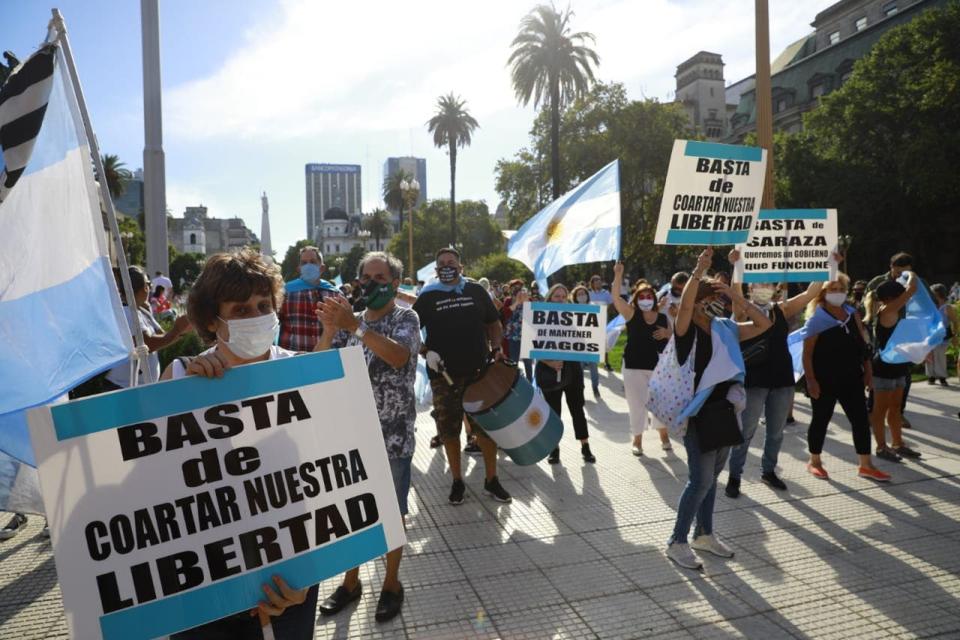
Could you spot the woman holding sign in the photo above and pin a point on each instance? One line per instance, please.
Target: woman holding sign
(647, 333)
(712, 413)
(557, 378)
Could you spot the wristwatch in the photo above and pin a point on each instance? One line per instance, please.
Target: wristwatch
(361, 330)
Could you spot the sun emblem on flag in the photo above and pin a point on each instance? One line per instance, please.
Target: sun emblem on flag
(553, 230)
(534, 419)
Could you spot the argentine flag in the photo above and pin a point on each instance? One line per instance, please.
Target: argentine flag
(583, 225)
(61, 321)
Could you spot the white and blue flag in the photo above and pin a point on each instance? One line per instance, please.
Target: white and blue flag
(918, 333)
(581, 226)
(61, 321)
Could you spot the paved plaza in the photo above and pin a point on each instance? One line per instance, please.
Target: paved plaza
(579, 552)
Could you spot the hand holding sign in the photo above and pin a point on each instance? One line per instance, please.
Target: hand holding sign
(276, 603)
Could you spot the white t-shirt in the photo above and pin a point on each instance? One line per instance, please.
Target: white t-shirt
(165, 282)
(276, 353)
(120, 375)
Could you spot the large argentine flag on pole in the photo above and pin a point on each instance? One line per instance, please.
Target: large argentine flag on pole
(583, 225)
(60, 316)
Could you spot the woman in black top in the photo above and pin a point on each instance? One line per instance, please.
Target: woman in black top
(647, 334)
(837, 367)
(769, 381)
(557, 378)
(889, 380)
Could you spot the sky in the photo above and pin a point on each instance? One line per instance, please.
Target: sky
(255, 89)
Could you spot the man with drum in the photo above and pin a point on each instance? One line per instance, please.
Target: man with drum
(463, 328)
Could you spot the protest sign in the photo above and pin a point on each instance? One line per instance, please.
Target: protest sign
(562, 331)
(790, 245)
(712, 193)
(171, 504)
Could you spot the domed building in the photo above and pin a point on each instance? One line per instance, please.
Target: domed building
(340, 232)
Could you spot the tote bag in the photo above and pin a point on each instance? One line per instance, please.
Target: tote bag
(671, 387)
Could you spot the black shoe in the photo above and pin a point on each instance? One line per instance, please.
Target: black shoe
(472, 448)
(389, 605)
(791, 420)
(596, 393)
(15, 526)
(771, 480)
(943, 382)
(733, 487)
(495, 490)
(587, 454)
(931, 381)
(554, 456)
(456, 492)
(607, 367)
(888, 454)
(906, 452)
(339, 599)
(905, 423)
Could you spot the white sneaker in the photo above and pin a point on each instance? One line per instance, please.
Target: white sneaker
(712, 544)
(680, 553)
(637, 451)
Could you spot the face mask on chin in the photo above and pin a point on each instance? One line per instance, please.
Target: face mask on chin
(251, 337)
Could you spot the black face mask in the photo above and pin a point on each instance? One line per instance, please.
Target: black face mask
(858, 295)
(447, 274)
(676, 293)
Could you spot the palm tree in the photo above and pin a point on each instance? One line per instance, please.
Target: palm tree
(551, 66)
(452, 126)
(377, 223)
(117, 175)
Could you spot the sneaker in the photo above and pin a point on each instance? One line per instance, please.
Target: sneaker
(733, 487)
(712, 544)
(15, 526)
(554, 456)
(818, 472)
(637, 451)
(873, 474)
(771, 480)
(472, 448)
(587, 454)
(905, 423)
(45, 532)
(596, 393)
(436, 441)
(906, 452)
(680, 553)
(886, 453)
(495, 490)
(456, 492)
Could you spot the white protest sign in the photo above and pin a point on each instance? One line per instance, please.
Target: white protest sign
(712, 193)
(563, 331)
(171, 504)
(790, 245)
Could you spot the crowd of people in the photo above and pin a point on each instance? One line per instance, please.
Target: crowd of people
(705, 362)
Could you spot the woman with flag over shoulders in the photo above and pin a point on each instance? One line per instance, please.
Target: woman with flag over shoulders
(697, 390)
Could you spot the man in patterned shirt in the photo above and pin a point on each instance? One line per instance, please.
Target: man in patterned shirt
(390, 336)
(299, 328)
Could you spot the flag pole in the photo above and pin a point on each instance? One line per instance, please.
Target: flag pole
(57, 23)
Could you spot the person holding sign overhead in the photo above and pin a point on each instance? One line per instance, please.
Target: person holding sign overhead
(647, 333)
(233, 304)
(558, 378)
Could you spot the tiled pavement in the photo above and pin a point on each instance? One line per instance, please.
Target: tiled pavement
(579, 553)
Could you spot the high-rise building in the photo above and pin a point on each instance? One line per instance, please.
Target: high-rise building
(131, 202)
(416, 167)
(331, 187)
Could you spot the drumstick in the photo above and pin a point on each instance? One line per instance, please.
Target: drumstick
(443, 371)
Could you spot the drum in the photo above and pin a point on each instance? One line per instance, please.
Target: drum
(517, 418)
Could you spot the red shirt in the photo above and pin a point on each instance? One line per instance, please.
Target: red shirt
(299, 327)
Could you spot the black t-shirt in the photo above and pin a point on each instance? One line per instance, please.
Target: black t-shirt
(777, 369)
(643, 350)
(456, 326)
(701, 359)
(883, 369)
(838, 356)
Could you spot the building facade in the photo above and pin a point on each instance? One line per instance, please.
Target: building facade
(700, 89)
(417, 167)
(195, 232)
(131, 202)
(340, 232)
(331, 186)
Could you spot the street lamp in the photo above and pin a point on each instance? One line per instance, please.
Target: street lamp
(409, 191)
(125, 238)
(843, 244)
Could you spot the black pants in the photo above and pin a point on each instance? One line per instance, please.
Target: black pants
(296, 623)
(850, 397)
(574, 393)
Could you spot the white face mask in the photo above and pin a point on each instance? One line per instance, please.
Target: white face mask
(762, 295)
(645, 304)
(836, 298)
(583, 299)
(252, 337)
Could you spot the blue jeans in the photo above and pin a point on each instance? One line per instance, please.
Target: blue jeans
(775, 405)
(594, 375)
(514, 354)
(701, 490)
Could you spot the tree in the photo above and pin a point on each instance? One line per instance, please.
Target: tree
(184, 269)
(378, 224)
(117, 175)
(452, 127)
(520, 184)
(882, 148)
(499, 267)
(350, 263)
(134, 244)
(551, 66)
(291, 260)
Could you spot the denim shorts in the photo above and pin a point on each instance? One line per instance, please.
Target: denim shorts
(889, 384)
(400, 470)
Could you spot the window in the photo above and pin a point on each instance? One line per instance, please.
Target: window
(845, 76)
(781, 105)
(861, 23)
(890, 9)
(835, 37)
(817, 90)
(711, 92)
(193, 238)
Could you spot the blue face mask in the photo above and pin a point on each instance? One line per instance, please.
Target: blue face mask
(310, 273)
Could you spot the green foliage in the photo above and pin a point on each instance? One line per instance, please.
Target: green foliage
(378, 224)
(117, 175)
(188, 345)
(351, 262)
(523, 185)
(135, 245)
(185, 267)
(291, 260)
(392, 193)
(452, 126)
(497, 266)
(882, 148)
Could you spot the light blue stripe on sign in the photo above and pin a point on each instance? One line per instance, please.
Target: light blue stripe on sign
(220, 599)
(682, 236)
(787, 276)
(120, 408)
(513, 406)
(700, 149)
(573, 356)
(565, 306)
(792, 214)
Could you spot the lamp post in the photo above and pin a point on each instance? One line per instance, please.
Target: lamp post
(843, 244)
(409, 191)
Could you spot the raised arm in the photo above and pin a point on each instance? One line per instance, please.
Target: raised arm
(624, 308)
(798, 303)
(757, 321)
(901, 301)
(689, 297)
